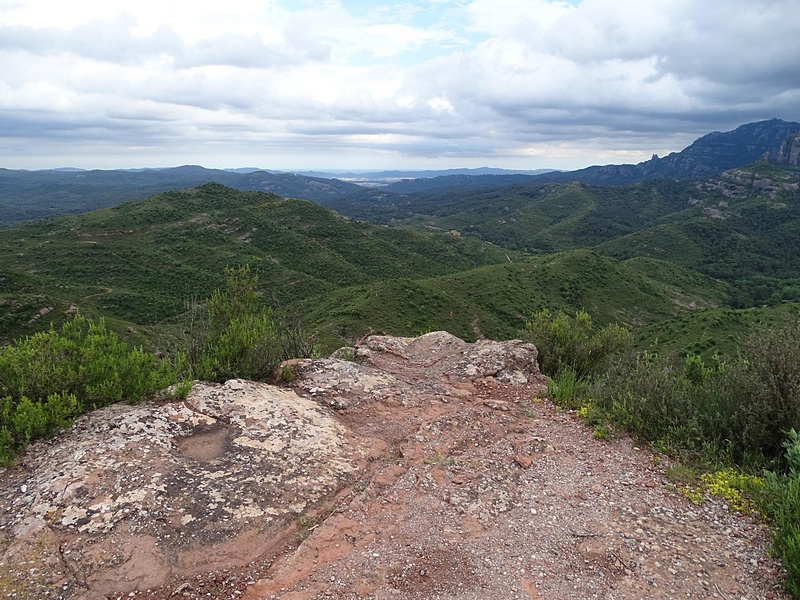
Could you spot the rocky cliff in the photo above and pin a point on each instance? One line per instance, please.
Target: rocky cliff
(400, 468)
(705, 157)
(789, 152)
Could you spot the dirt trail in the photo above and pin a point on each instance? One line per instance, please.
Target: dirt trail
(493, 495)
(464, 486)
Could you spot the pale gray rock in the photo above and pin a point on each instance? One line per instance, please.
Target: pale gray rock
(130, 493)
(132, 498)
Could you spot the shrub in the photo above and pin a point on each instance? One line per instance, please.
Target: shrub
(763, 389)
(574, 343)
(566, 389)
(651, 396)
(236, 336)
(83, 358)
(783, 505)
(49, 378)
(736, 411)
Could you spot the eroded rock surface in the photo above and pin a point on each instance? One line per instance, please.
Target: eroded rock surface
(131, 496)
(400, 468)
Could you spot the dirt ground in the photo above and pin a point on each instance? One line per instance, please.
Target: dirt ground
(468, 485)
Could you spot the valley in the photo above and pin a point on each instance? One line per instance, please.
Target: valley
(678, 296)
(476, 262)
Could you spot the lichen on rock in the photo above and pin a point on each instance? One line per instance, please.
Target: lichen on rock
(178, 477)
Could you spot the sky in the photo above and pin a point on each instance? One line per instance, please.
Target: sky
(358, 84)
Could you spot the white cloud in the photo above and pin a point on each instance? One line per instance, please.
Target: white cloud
(524, 83)
(440, 104)
(500, 18)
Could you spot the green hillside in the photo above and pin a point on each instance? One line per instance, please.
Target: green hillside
(139, 262)
(746, 231)
(742, 226)
(543, 218)
(495, 301)
(711, 331)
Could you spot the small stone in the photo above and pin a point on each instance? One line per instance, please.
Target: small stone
(183, 589)
(523, 461)
(497, 405)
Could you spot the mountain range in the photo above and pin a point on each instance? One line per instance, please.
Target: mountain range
(710, 155)
(667, 256)
(32, 195)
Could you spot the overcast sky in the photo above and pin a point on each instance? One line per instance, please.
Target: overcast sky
(360, 84)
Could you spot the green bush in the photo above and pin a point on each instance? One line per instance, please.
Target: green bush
(566, 389)
(83, 358)
(657, 399)
(236, 336)
(25, 420)
(763, 388)
(571, 343)
(783, 505)
(736, 411)
(49, 378)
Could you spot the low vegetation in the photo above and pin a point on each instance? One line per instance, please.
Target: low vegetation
(49, 378)
(734, 410)
(234, 334)
(574, 344)
(783, 505)
(734, 419)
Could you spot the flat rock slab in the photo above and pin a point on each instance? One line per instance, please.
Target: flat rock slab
(131, 494)
(400, 468)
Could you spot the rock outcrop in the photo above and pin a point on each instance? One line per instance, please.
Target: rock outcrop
(789, 152)
(706, 157)
(400, 468)
(132, 497)
(130, 494)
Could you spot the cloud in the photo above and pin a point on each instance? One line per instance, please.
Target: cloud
(615, 64)
(98, 40)
(250, 52)
(519, 82)
(114, 41)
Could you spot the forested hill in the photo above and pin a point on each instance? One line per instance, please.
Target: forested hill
(138, 265)
(32, 195)
(742, 226)
(141, 261)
